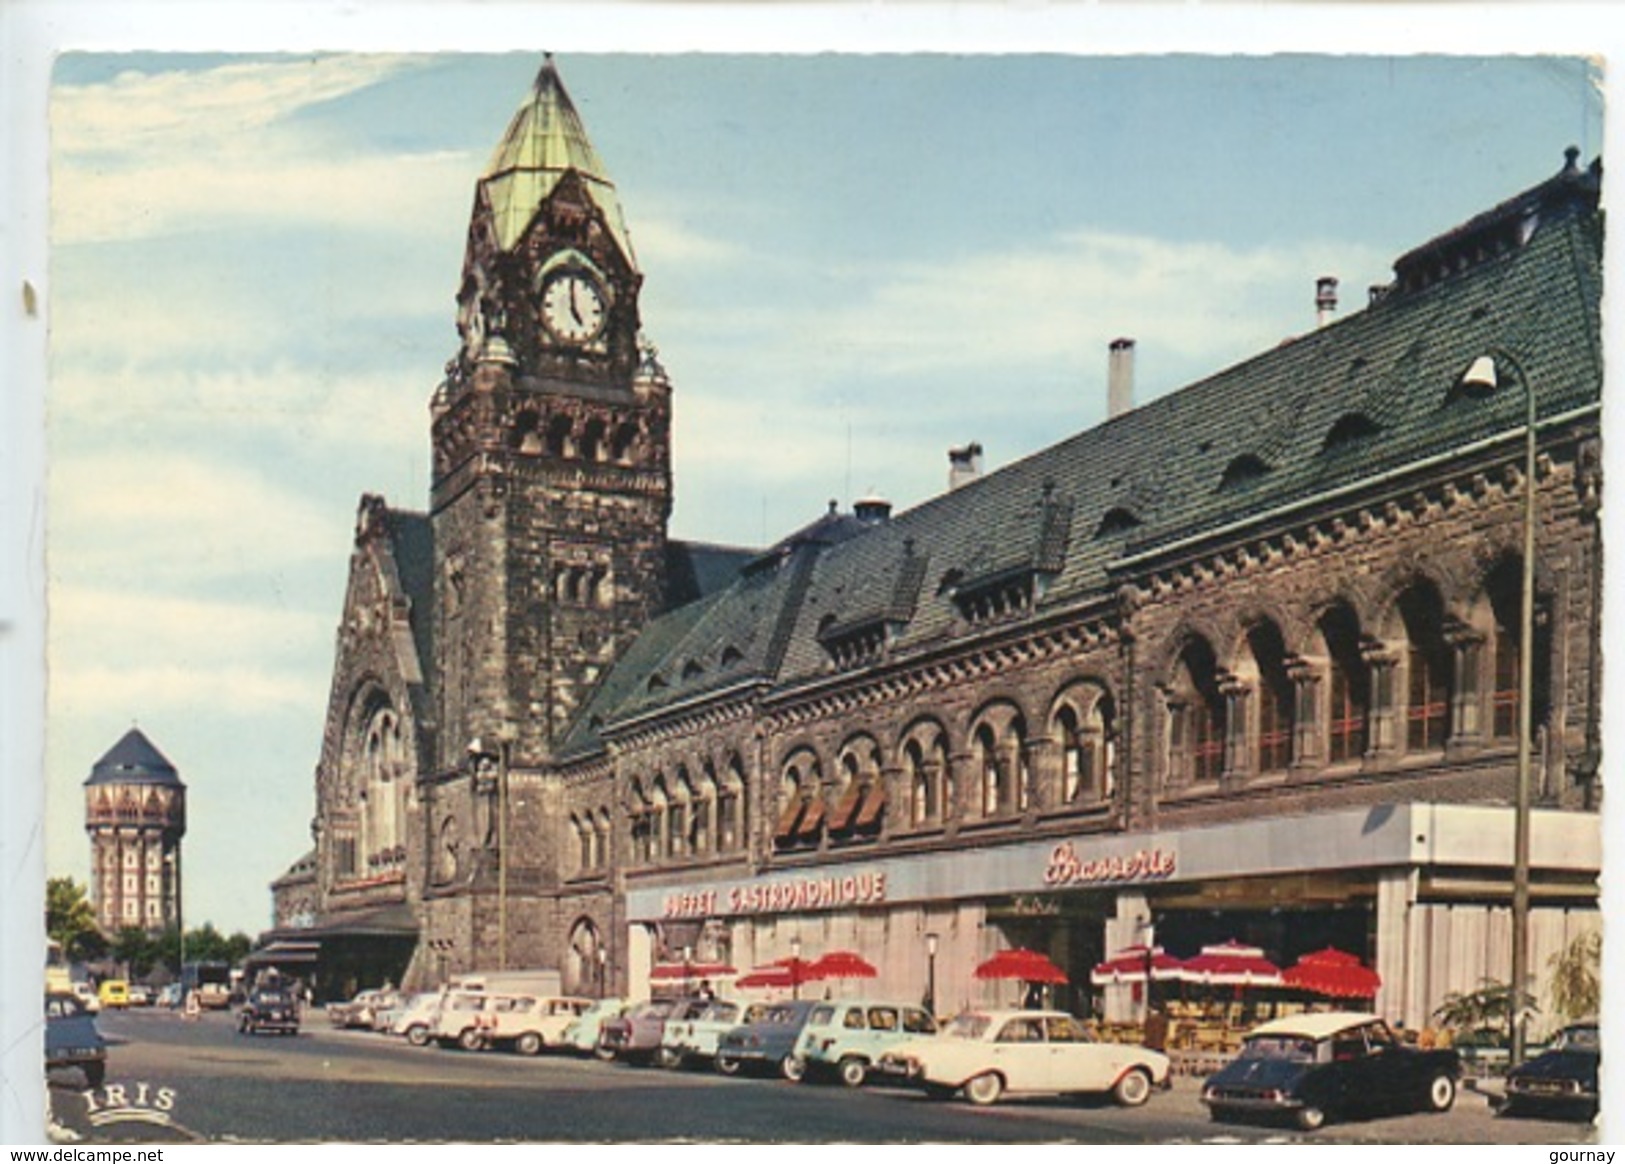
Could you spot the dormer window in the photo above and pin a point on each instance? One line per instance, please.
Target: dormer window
(1117, 520)
(1244, 470)
(1350, 428)
(692, 669)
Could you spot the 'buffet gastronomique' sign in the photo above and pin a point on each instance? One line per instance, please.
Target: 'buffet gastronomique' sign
(801, 893)
(1067, 868)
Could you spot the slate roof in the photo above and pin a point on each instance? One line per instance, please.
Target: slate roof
(1375, 391)
(412, 542)
(134, 760)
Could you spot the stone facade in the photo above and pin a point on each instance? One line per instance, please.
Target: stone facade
(1285, 592)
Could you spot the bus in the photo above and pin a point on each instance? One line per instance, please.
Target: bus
(58, 979)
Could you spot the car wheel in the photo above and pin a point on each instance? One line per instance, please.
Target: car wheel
(529, 1043)
(418, 1035)
(1311, 1118)
(471, 1040)
(1132, 1089)
(853, 1071)
(607, 1054)
(1441, 1093)
(672, 1059)
(985, 1089)
(95, 1073)
(665, 1057)
(728, 1065)
(793, 1068)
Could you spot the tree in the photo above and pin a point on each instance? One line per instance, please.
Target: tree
(1485, 1013)
(70, 920)
(1577, 977)
(136, 949)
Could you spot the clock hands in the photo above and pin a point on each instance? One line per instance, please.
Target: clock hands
(575, 311)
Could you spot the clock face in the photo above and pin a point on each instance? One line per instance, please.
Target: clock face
(573, 307)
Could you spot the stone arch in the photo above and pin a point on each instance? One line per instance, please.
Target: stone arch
(585, 959)
(923, 753)
(1082, 726)
(997, 743)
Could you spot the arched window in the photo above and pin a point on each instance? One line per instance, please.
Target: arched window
(730, 807)
(1081, 729)
(1274, 696)
(1427, 669)
(1348, 686)
(998, 748)
(1504, 591)
(1196, 716)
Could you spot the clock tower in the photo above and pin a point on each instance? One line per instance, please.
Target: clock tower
(552, 450)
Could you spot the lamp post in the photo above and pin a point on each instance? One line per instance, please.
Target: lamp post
(931, 974)
(1526, 691)
(603, 973)
(795, 966)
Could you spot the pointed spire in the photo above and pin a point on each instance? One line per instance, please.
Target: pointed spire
(544, 141)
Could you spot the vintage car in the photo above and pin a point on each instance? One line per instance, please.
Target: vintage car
(635, 1036)
(114, 994)
(358, 1012)
(213, 995)
(770, 1042)
(845, 1038)
(695, 1039)
(1314, 1067)
(522, 1022)
(85, 992)
(1560, 1081)
(72, 1040)
(583, 1032)
(141, 994)
(269, 1008)
(987, 1054)
(417, 1017)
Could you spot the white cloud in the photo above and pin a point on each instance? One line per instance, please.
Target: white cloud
(151, 154)
(178, 517)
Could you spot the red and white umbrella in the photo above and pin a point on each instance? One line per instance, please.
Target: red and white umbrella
(1334, 973)
(1231, 964)
(1021, 966)
(782, 975)
(838, 964)
(1128, 965)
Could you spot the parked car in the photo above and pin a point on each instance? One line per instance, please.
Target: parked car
(847, 1037)
(170, 995)
(988, 1054)
(525, 1023)
(114, 993)
(695, 1039)
(1315, 1067)
(269, 1008)
(583, 1032)
(635, 1036)
(213, 995)
(417, 1017)
(359, 1010)
(1560, 1081)
(140, 994)
(769, 1042)
(72, 1040)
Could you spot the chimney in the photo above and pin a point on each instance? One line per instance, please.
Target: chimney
(872, 510)
(1120, 378)
(1325, 300)
(964, 465)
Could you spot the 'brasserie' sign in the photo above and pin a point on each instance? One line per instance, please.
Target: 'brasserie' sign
(1067, 868)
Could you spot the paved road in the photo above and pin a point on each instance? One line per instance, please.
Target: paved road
(328, 1085)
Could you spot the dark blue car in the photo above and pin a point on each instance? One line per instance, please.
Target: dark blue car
(769, 1043)
(1561, 1081)
(72, 1040)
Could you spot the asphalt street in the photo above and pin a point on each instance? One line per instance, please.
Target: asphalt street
(326, 1085)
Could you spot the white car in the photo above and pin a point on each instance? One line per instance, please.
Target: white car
(987, 1054)
(478, 1020)
(844, 1038)
(582, 1034)
(416, 1019)
(688, 1040)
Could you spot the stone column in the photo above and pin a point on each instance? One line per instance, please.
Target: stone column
(1467, 701)
(1238, 756)
(1044, 773)
(1383, 744)
(1307, 751)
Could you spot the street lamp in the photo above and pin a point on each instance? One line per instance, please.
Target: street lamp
(1482, 374)
(931, 974)
(603, 973)
(795, 966)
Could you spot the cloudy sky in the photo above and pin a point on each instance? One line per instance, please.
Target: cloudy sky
(852, 262)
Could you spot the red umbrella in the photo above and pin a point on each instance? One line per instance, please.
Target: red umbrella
(1231, 964)
(1334, 973)
(786, 972)
(841, 964)
(690, 971)
(1128, 965)
(1021, 965)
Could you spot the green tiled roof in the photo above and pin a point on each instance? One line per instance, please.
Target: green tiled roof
(1389, 374)
(544, 140)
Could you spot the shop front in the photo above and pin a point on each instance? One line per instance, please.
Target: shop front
(1419, 893)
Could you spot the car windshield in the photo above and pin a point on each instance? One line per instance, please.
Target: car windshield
(272, 998)
(1288, 1047)
(783, 1015)
(967, 1026)
(1577, 1039)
